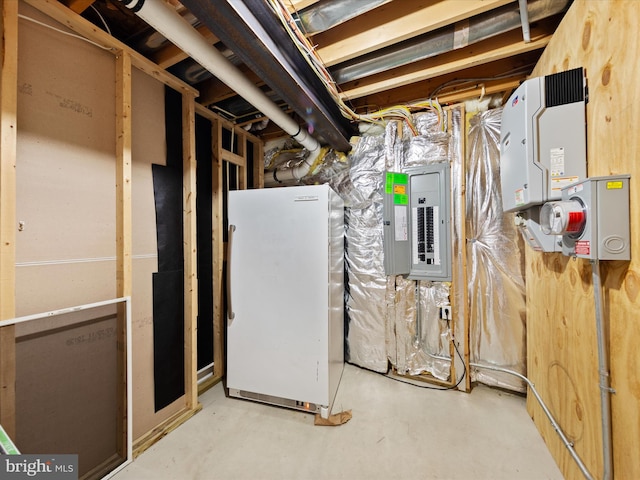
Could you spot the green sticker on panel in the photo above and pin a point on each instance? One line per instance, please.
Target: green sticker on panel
(388, 183)
(401, 178)
(401, 199)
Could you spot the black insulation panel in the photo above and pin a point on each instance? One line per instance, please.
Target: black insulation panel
(168, 282)
(204, 226)
(168, 337)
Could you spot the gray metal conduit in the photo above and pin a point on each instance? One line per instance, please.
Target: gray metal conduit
(567, 443)
(603, 370)
(180, 32)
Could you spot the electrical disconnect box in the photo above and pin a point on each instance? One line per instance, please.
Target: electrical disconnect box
(417, 223)
(593, 218)
(543, 139)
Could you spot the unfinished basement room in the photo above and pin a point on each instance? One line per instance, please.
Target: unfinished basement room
(319, 240)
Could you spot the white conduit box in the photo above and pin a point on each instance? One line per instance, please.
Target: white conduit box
(417, 223)
(543, 139)
(593, 218)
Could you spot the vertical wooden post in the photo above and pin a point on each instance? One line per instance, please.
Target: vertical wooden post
(123, 232)
(217, 236)
(190, 249)
(242, 151)
(8, 138)
(459, 293)
(258, 165)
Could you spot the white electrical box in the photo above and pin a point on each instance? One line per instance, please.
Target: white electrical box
(543, 139)
(417, 223)
(593, 218)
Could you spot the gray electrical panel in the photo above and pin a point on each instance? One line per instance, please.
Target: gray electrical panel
(417, 223)
(543, 139)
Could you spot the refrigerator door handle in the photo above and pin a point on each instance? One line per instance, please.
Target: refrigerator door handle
(231, 315)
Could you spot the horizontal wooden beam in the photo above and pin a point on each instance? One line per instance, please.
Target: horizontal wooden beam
(393, 23)
(83, 27)
(448, 88)
(482, 53)
(234, 158)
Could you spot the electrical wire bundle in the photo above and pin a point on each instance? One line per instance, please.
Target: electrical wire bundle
(402, 112)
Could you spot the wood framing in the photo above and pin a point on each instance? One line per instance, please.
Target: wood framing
(190, 250)
(217, 237)
(8, 138)
(258, 164)
(124, 232)
(498, 48)
(459, 293)
(371, 32)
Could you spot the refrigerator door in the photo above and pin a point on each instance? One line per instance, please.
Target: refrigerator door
(277, 341)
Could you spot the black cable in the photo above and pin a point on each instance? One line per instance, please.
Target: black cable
(464, 373)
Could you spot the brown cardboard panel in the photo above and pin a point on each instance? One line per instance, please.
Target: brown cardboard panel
(66, 388)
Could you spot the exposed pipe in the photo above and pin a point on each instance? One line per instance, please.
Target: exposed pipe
(603, 370)
(524, 19)
(567, 443)
(553, 421)
(175, 28)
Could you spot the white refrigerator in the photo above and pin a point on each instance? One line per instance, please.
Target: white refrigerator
(285, 296)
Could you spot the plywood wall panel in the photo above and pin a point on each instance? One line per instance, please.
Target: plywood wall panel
(562, 353)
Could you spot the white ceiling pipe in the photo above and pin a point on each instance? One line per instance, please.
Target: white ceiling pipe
(178, 31)
(524, 19)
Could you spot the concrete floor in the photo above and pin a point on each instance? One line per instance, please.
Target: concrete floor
(397, 431)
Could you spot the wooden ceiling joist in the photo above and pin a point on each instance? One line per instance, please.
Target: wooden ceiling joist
(497, 48)
(393, 23)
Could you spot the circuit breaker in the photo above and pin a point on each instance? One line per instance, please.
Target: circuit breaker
(543, 139)
(593, 218)
(417, 223)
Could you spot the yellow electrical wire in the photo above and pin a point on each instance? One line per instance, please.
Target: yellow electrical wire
(308, 51)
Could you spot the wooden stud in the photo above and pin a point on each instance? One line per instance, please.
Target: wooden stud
(258, 165)
(190, 250)
(217, 235)
(124, 229)
(242, 153)
(8, 140)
